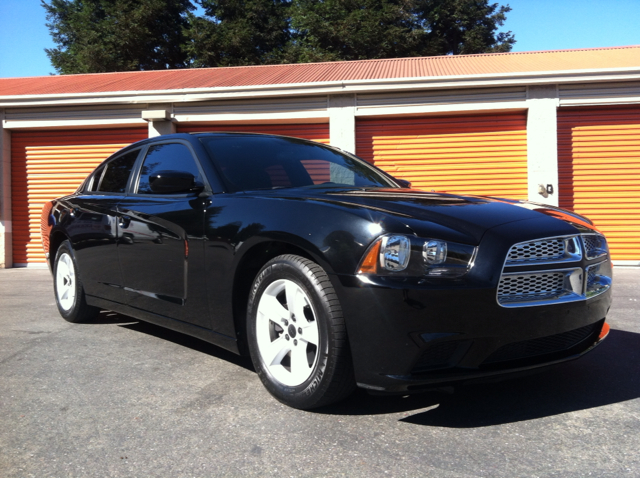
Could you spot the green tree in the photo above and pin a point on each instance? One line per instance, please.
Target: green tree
(462, 27)
(238, 32)
(123, 35)
(93, 36)
(353, 30)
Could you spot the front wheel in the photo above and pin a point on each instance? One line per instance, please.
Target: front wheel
(69, 292)
(296, 334)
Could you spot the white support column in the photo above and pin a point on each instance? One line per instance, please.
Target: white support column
(159, 118)
(6, 235)
(542, 144)
(342, 122)
(160, 128)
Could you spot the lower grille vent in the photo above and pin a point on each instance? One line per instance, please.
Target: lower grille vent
(542, 346)
(436, 356)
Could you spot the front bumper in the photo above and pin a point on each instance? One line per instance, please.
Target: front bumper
(408, 337)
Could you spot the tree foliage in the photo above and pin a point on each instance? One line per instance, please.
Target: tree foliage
(120, 35)
(353, 29)
(238, 32)
(462, 27)
(117, 35)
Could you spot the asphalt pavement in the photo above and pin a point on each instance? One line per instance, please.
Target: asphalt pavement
(122, 398)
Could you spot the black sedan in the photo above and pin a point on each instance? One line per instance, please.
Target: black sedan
(330, 273)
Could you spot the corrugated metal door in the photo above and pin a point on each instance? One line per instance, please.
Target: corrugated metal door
(315, 132)
(50, 164)
(599, 162)
(481, 154)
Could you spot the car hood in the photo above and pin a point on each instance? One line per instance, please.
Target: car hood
(468, 216)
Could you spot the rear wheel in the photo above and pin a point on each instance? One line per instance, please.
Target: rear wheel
(69, 293)
(296, 334)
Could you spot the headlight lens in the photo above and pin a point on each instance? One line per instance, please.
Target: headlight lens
(409, 256)
(395, 252)
(434, 252)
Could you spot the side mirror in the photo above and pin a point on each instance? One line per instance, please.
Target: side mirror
(403, 182)
(171, 182)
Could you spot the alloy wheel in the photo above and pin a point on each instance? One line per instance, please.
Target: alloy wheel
(287, 332)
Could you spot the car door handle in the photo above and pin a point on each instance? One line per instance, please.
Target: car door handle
(125, 221)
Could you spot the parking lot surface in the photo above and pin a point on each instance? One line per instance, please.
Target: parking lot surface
(122, 398)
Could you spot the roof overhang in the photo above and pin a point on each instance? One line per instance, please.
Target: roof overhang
(326, 88)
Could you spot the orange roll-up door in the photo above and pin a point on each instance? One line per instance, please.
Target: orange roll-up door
(470, 154)
(315, 132)
(599, 163)
(49, 164)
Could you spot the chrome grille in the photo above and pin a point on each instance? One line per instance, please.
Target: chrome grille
(537, 251)
(597, 283)
(531, 286)
(548, 250)
(591, 276)
(595, 245)
(524, 288)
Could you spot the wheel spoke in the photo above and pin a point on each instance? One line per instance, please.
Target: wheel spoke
(300, 369)
(272, 309)
(62, 270)
(72, 272)
(309, 332)
(274, 352)
(295, 299)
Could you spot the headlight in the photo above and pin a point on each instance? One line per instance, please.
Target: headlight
(409, 256)
(395, 252)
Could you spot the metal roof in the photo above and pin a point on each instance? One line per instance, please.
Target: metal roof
(339, 71)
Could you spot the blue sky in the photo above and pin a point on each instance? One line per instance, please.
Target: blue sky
(537, 25)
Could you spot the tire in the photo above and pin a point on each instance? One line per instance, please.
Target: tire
(296, 334)
(68, 289)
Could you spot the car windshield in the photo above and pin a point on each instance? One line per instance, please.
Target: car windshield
(265, 162)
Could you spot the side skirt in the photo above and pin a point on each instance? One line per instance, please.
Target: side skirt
(224, 341)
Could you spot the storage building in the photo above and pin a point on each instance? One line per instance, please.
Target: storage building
(554, 127)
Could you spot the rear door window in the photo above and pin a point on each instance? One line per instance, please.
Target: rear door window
(116, 175)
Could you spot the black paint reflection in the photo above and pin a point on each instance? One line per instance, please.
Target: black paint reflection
(161, 254)
(91, 224)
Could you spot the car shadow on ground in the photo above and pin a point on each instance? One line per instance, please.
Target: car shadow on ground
(107, 317)
(609, 374)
